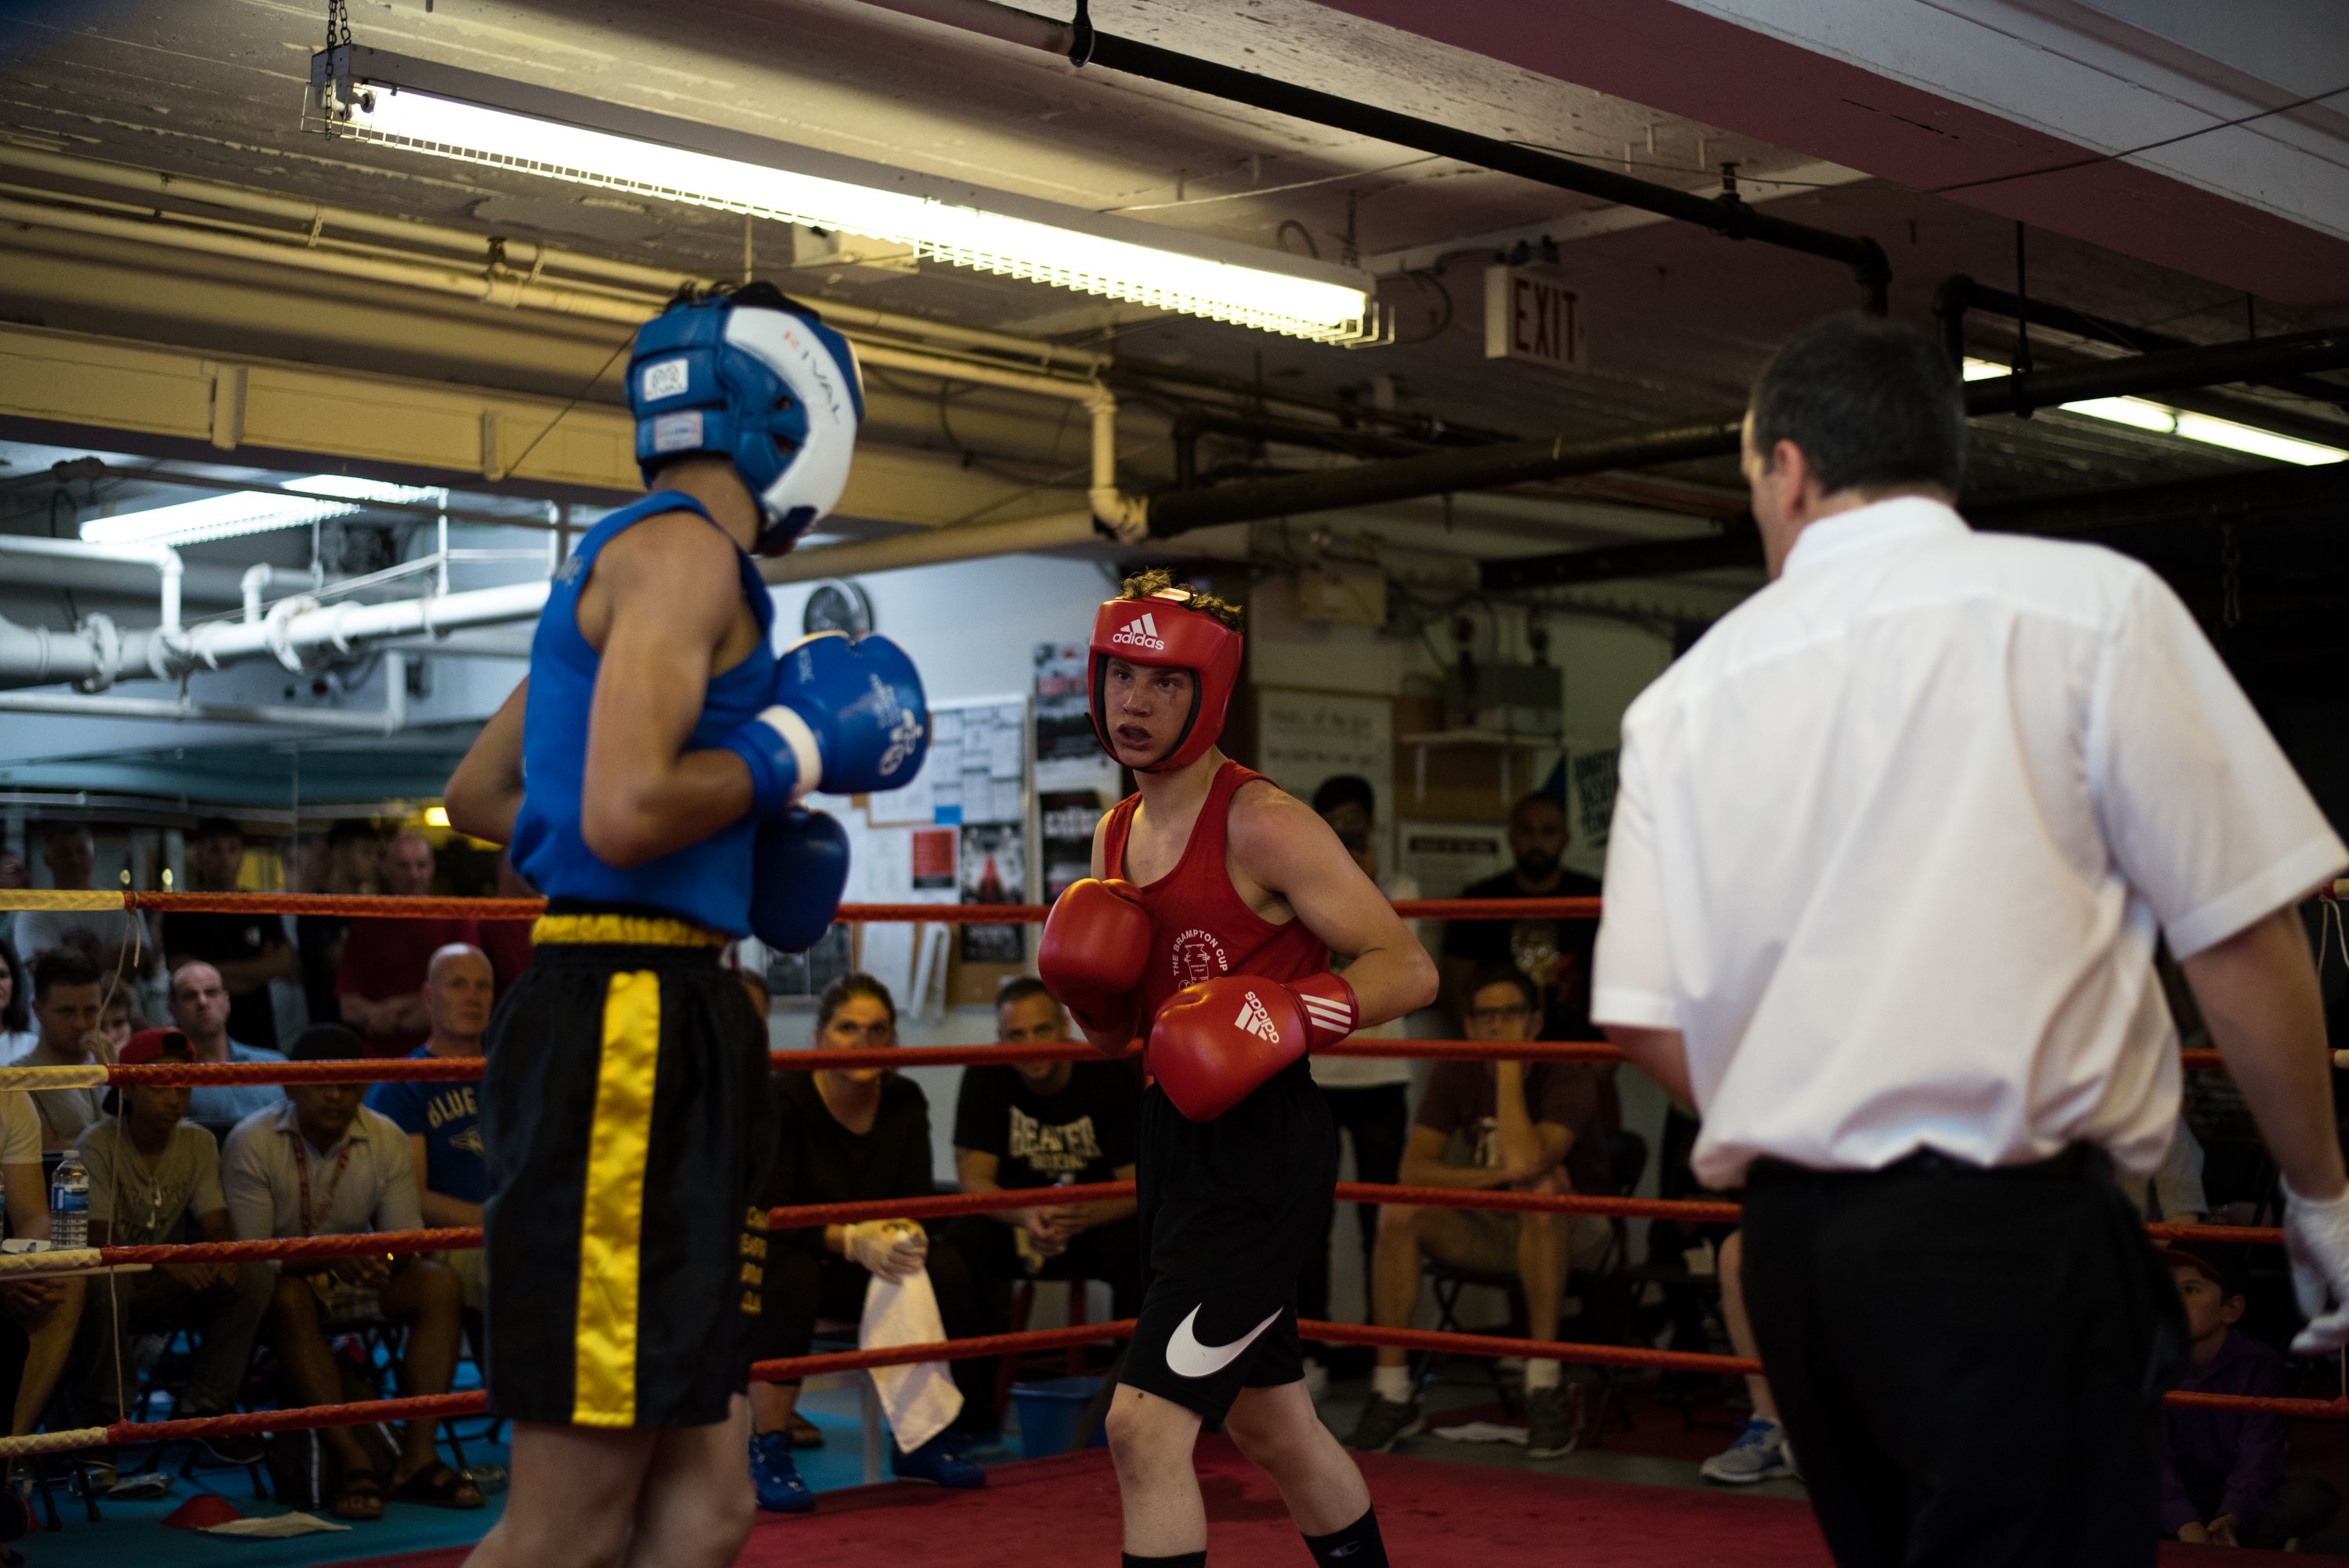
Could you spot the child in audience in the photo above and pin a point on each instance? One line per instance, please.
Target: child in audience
(2223, 1477)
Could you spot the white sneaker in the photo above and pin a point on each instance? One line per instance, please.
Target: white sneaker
(1759, 1454)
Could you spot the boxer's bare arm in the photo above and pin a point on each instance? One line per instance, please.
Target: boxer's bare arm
(665, 603)
(485, 792)
(1277, 843)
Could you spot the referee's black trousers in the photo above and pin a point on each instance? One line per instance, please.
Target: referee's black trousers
(1969, 1363)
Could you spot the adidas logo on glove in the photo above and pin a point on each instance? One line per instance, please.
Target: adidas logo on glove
(1257, 1019)
(1142, 634)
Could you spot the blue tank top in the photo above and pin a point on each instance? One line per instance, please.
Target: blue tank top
(708, 882)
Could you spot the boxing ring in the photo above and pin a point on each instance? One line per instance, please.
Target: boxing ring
(1678, 1507)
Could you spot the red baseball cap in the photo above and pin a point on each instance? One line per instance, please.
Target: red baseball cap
(154, 1045)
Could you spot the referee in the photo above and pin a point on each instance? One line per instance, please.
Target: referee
(1891, 852)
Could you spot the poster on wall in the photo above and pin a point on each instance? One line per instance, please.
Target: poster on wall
(1305, 738)
(934, 858)
(1067, 818)
(1592, 794)
(994, 870)
(1447, 856)
(1065, 727)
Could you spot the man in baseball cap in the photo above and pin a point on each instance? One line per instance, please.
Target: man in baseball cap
(149, 1170)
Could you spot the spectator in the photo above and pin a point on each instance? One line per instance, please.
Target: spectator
(41, 1311)
(1760, 1451)
(17, 1035)
(507, 942)
(1484, 1126)
(379, 983)
(108, 937)
(150, 1173)
(846, 1136)
(65, 987)
(1369, 1096)
(347, 866)
(443, 1120)
(116, 1025)
(14, 875)
(2222, 1480)
(200, 1007)
(322, 1164)
(247, 950)
(1553, 953)
(1035, 1125)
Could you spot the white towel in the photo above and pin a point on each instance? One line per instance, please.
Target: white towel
(920, 1401)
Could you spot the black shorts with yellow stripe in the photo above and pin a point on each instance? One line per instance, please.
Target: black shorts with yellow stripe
(627, 1126)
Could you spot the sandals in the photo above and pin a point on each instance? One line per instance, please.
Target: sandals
(437, 1486)
(358, 1496)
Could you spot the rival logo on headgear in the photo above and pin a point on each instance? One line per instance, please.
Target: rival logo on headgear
(1142, 634)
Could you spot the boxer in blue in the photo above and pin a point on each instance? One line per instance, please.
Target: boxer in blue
(647, 776)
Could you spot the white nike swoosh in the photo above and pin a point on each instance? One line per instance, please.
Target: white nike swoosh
(1186, 1357)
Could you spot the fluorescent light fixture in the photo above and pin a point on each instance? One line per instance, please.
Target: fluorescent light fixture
(234, 512)
(2161, 420)
(371, 95)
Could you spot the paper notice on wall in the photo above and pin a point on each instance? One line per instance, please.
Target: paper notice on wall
(1592, 793)
(1446, 856)
(1067, 818)
(1064, 728)
(933, 868)
(1305, 738)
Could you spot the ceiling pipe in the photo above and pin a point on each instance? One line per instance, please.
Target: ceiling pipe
(2218, 498)
(184, 710)
(1558, 457)
(1083, 44)
(1958, 293)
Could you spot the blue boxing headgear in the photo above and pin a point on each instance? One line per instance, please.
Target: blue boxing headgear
(757, 379)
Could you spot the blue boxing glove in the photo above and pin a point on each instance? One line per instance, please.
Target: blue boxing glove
(848, 718)
(799, 868)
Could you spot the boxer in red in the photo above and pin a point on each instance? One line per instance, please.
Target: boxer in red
(1206, 929)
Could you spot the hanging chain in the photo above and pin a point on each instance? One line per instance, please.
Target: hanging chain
(338, 22)
(2231, 559)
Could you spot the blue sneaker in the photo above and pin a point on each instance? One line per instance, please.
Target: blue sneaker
(939, 1461)
(1760, 1453)
(776, 1476)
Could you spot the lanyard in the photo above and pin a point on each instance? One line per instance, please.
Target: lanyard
(302, 1170)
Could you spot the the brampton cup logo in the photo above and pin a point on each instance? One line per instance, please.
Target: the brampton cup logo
(1142, 634)
(1198, 956)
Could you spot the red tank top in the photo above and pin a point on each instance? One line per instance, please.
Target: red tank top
(1199, 928)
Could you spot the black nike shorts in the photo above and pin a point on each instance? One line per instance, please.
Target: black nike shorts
(1230, 1210)
(627, 1129)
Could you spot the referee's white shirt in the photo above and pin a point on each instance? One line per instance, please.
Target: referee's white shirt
(1891, 844)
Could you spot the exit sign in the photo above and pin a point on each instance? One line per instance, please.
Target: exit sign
(1530, 314)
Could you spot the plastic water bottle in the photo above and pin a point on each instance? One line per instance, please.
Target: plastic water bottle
(69, 1204)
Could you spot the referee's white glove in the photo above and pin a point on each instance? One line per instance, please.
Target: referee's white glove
(2316, 1238)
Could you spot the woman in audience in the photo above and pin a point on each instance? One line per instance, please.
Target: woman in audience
(842, 1137)
(17, 1035)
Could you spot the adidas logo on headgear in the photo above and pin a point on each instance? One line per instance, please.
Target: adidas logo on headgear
(1257, 1019)
(1142, 634)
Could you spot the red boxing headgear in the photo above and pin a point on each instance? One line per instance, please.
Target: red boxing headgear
(1161, 630)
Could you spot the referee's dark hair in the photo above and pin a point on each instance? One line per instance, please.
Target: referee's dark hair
(1872, 404)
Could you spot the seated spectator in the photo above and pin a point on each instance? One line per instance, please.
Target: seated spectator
(246, 950)
(152, 1174)
(1482, 1126)
(1556, 955)
(41, 1312)
(200, 1007)
(322, 1164)
(1034, 1125)
(379, 981)
(443, 1120)
(17, 1035)
(116, 1025)
(66, 988)
(1760, 1451)
(848, 1136)
(2223, 1477)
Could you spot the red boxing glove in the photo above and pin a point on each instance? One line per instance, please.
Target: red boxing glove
(1096, 945)
(1214, 1043)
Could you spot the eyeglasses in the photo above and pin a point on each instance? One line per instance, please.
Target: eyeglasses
(1500, 1014)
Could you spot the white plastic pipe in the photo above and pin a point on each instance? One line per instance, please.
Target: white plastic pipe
(60, 705)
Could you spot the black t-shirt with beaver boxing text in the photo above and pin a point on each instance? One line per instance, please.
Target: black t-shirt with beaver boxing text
(1084, 1133)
